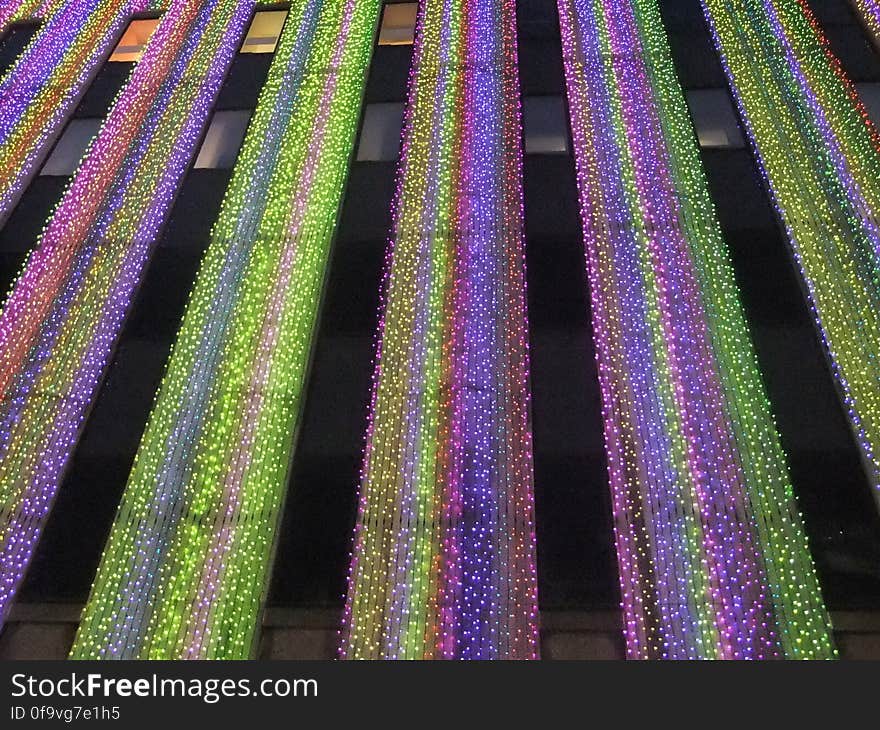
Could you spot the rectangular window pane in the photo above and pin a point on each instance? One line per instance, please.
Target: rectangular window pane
(398, 24)
(262, 36)
(380, 134)
(714, 118)
(71, 146)
(223, 139)
(545, 125)
(133, 42)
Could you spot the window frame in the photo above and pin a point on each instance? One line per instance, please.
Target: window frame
(381, 28)
(207, 131)
(60, 140)
(565, 121)
(136, 18)
(267, 8)
(367, 119)
(730, 111)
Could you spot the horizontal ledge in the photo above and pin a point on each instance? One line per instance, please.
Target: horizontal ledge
(329, 618)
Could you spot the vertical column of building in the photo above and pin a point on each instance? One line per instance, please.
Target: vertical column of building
(38, 93)
(61, 320)
(819, 154)
(712, 555)
(443, 563)
(185, 569)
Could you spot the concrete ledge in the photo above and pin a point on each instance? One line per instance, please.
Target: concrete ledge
(46, 631)
(298, 643)
(582, 645)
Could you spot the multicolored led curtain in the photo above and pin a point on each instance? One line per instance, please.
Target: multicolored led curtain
(60, 322)
(712, 555)
(18, 11)
(47, 81)
(870, 13)
(185, 569)
(443, 563)
(819, 154)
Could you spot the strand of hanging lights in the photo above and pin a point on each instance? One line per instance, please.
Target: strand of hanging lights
(443, 563)
(818, 153)
(712, 555)
(185, 568)
(60, 322)
(38, 93)
(869, 10)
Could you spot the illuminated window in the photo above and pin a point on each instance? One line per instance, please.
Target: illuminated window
(133, 42)
(544, 123)
(223, 139)
(70, 148)
(380, 135)
(398, 24)
(262, 36)
(870, 94)
(714, 118)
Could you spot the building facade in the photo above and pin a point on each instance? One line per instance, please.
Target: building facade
(452, 329)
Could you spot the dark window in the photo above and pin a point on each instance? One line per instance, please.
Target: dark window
(380, 134)
(870, 93)
(546, 129)
(223, 140)
(71, 146)
(714, 118)
(14, 41)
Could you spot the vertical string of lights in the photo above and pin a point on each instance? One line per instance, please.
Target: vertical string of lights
(713, 558)
(818, 152)
(443, 563)
(40, 90)
(60, 322)
(185, 569)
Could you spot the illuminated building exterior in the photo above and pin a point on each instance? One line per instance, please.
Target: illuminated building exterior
(463, 329)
